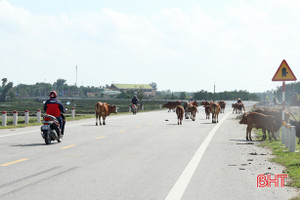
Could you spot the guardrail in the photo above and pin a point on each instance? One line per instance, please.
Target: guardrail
(288, 136)
(15, 116)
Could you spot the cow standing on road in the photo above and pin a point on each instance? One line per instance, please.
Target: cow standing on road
(179, 112)
(206, 105)
(103, 110)
(259, 121)
(171, 105)
(214, 109)
(222, 105)
(238, 108)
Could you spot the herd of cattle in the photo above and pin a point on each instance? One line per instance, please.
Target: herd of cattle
(189, 109)
(269, 120)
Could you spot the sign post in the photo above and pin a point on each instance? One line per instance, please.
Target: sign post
(284, 73)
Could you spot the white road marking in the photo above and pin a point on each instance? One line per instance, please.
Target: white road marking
(184, 179)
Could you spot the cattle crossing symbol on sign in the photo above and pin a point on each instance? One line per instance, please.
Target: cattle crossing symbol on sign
(284, 73)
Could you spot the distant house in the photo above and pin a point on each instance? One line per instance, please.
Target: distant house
(105, 93)
(146, 88)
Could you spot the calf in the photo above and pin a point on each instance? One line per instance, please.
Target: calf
(179, 112)
(259, 120)
(103, 110)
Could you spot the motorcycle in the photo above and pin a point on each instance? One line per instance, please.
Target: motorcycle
(134, 108)
(50, 129)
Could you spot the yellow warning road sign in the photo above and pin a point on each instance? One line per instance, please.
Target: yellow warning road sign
(284, 73)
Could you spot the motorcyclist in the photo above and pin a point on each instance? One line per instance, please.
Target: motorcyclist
(54, 107)
(135, 100)
(239, 100)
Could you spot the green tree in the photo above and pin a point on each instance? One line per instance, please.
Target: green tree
(153, 85)
(6, 88)
(182, 95)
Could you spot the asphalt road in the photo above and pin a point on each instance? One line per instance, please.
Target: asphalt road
(137, 157)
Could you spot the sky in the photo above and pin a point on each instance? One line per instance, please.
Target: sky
(180, 45)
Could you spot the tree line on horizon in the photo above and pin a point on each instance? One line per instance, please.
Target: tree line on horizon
(41, 90)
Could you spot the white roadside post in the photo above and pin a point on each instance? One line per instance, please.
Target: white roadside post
(73, 112)
(26, 117)
(283, 134)
(287, 135)
(38, 116)
(292, 145)
(4, 118)
(15, 118)
(160, 106)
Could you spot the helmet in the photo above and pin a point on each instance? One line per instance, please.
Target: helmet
(53, 94)
(239, 98)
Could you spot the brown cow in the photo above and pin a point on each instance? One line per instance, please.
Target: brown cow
(195, 103)
(185, 107)
(179, 112)
(259, 120)
(103, 110)
(222, 105)
(206, 105)
(190, 109)
(193, 110)
(171, 105)
(214, 109)
(237, 107)
(277, 113)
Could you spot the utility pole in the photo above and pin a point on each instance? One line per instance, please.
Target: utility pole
(214, 87)
(76, 75)
(214, 96)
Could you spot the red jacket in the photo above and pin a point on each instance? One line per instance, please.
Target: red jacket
(54, 107)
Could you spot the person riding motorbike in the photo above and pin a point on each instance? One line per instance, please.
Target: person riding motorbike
(135, 100)
(54, 107)
(239, 100)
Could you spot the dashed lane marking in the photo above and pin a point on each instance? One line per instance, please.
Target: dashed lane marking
(67, 147)
(13, 162)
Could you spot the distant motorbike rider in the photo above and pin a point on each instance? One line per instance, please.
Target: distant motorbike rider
(54, 107)
(239, 100)
(135, 100)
